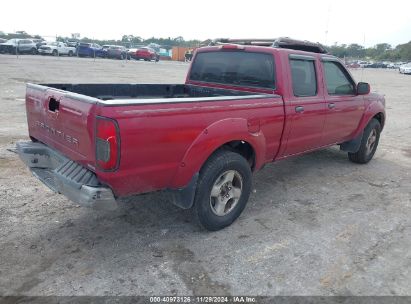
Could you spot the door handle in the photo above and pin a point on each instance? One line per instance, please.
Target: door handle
(299, 109)
(331, 105)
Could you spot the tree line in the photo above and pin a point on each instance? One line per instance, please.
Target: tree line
(131, 40)
(380, 52)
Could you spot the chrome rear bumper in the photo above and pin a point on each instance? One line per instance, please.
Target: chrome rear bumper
(65, 176)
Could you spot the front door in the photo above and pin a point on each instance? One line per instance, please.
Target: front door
(344, 107)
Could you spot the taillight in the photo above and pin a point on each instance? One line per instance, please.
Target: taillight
(107, 144)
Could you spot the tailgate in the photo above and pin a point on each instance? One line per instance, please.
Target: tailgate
(62, 121)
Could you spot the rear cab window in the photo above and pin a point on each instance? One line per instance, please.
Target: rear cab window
(238, 68)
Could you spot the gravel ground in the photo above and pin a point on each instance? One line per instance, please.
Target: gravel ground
(314, 225)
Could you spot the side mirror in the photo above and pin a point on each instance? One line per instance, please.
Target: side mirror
(363, 88)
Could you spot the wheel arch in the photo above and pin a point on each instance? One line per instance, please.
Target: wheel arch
(374, 110)
(229, 134)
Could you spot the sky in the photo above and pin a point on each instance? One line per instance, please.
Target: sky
(328, 22)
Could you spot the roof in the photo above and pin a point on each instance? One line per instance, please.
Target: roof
(282, 42)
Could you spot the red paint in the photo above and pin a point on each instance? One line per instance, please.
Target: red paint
(164, 145)
(144, 53)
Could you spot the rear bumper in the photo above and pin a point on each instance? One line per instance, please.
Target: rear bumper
(65, 176)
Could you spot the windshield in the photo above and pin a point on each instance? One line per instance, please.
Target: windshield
(85, 44)
(234, 68)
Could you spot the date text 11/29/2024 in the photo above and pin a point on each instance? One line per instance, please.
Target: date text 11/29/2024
(204, 299)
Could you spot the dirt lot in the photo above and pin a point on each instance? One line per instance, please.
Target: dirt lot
(314, 225)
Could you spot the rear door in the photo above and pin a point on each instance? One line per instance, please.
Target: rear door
(344, 107)
(304, 106)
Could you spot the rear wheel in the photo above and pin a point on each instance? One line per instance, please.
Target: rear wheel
(55, 53)
(369, 143)
(223, 190)
(70, 53)
(33, 51)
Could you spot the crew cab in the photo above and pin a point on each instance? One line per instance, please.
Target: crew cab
(57, 49)
(244, 103)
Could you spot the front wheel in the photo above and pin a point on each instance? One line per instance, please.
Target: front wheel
(223, 190)
(369, 143)
(55, 53)
(70, 53)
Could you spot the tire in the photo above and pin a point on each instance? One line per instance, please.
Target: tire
(223, 189)
(70, 53)
(55, 53)
(369, 143)
(34, 51)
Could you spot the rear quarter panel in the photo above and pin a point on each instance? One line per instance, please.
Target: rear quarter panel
(162, 146)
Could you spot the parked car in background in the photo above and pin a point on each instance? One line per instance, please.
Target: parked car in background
(363, 64)
(145, 53)
(377, 65)
(39, 42)
(353, 65)
(405, 68)
(72, 42)
(392, 65)
(90, 50)
(105, 49)
(2, 40)
(20, 46)
(57, 49)
(116, 51)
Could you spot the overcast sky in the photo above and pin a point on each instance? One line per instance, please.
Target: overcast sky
(328, 22)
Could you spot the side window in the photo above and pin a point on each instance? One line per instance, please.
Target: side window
(337, 79)
(304, 77)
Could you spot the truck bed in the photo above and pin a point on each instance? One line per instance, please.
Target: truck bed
(132, 92)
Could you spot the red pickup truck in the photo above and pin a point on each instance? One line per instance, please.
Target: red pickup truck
(244, 104)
